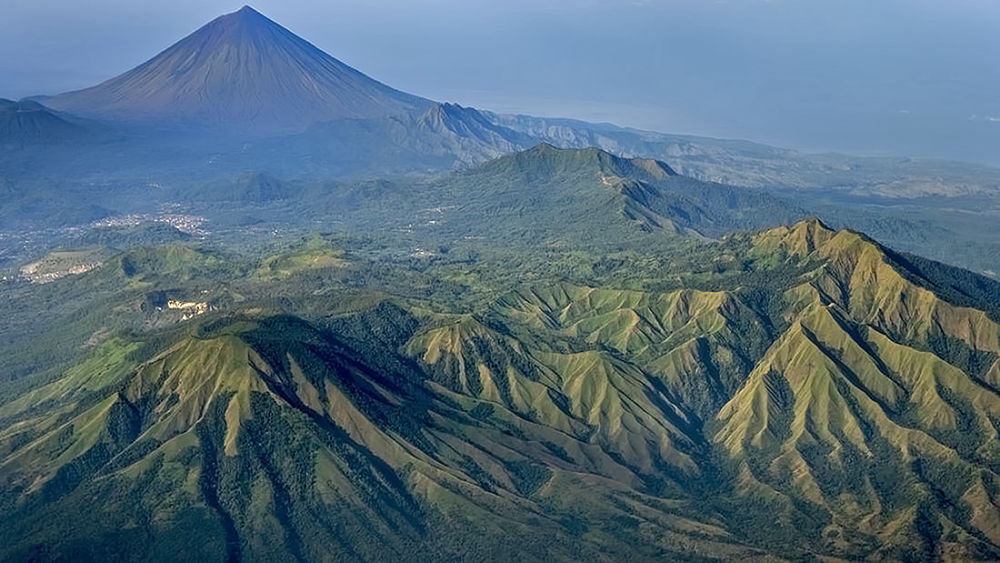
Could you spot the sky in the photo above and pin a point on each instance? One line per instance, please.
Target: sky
(895, 77)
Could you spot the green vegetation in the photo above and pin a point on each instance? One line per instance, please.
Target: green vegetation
(343, 398)
(386, 334)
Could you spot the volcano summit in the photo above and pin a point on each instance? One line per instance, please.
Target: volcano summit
(241, 72)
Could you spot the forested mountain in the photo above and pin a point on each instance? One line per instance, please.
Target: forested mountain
(259, 306)
(810, 377)
(580, 196)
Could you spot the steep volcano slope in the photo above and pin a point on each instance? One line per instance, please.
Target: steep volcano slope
(241, 72)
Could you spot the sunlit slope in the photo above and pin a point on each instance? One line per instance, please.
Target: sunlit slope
(240, 72)
(842, 393)
(234, 433)
(589, 396)
(699, 344)
(872, 418)
(860, 405)
(266, 436)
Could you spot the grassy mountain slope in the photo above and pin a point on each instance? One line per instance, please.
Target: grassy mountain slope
(266, 438)
(872, 416)
(846, 393)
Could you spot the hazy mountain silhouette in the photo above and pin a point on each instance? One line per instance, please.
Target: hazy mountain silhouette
(243, 72)
(28, 122)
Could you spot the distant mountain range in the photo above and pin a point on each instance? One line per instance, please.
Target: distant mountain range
(244, 96)
(243, 77)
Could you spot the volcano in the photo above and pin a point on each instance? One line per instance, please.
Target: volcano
(241, 72)
(28, 122)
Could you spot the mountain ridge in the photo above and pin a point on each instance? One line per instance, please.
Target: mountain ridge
(845, 407)
(558, 354)
(590, 189)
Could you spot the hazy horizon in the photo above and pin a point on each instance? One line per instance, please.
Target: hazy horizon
(909, 78)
